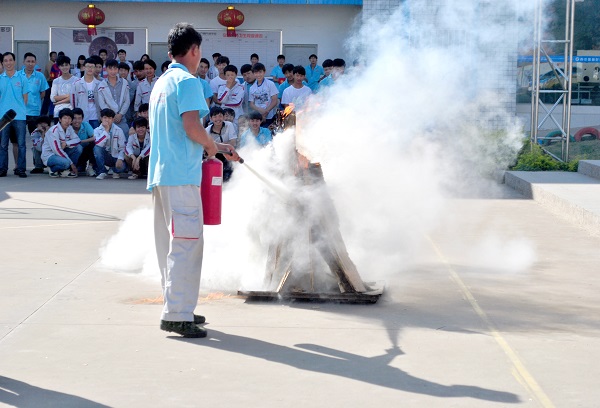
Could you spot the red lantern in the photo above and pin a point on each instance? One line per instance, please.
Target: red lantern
(91, 16)
(231, 18)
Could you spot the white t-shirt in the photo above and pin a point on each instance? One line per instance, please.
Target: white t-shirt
(261, 95)
(295, 96)
(227, 132)
(215, 83)
(60, 86)
(91, 112)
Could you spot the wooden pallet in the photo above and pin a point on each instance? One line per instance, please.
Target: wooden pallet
(313, 263)
(370, 296)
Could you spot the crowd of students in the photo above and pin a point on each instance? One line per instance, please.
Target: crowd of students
(90, 117)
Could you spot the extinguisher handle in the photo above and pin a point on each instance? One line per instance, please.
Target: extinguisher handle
(228, 153)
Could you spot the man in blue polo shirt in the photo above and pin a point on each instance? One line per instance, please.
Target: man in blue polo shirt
(314, 72)
(13, 95)
(277, 71)
(178, 141)
(37, 90)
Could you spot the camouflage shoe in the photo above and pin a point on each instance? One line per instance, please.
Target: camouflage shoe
(199, 319)
(186, 329)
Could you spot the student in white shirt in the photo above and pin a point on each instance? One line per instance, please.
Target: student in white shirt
(263, 95)
(231, 93)
(144, 88)
(61, 148)
(297, 93)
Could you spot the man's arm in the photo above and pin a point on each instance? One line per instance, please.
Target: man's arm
(258, 109)
(274, 102)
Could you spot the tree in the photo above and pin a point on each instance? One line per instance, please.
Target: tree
(587, 14)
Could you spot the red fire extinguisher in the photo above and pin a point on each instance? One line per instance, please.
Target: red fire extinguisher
(211, 190)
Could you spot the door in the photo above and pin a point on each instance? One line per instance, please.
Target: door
(297, 54)
(159, 54)
(37, 48)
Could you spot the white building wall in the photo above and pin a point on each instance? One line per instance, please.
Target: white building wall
(326, 26)
(378, 8)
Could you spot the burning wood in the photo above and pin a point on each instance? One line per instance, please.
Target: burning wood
(285, 119)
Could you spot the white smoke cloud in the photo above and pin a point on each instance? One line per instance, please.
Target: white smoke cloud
(394, 138)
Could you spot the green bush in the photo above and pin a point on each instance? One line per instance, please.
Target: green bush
(537, 160)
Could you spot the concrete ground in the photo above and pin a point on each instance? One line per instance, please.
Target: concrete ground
(449, 333)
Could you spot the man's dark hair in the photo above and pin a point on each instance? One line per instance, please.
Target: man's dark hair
(29, 54)
(338, 63)
(103, 50)
(205, 61)
(312, 55)
(97, 60)
(245, 68)
(8, 53)
(216, 55)
(287, 68)
(112, 63)
(181, 38)
(144, 107)
(222, 60)
(65, 112)
(121, 51)
(165, 65)
(63, 59)
(215, 110)
(327, 63)
(78, 111)
(43, 119)
(151, 63)
(124, 65)
(107, 112)
(280, 56)
(254, 115)
(138, 65)
(137, 122)
(89, 60)
(229, 111)
(51, 52)
(299, 69)
(258, 67)
(254, 55)
(230, 68)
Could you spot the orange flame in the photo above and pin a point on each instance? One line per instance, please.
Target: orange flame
(288, 109)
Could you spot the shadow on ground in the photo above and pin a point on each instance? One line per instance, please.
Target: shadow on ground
(20, 394)
(373, 370)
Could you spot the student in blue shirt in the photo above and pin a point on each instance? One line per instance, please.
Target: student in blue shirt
(178, 141)
(255, 133)
(85, 132)
(313, 73)
(277, 71)
(37, 90)
(13, 95)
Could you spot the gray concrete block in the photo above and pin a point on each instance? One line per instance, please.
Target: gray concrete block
(572, 196)
(589, 168)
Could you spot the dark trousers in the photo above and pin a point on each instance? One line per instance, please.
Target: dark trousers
(87, 155)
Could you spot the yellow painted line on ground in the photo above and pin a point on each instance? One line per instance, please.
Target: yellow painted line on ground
(519, 371)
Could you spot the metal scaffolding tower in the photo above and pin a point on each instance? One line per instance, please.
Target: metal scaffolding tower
(557, 97)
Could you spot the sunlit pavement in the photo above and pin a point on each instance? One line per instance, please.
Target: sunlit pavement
(499, 308)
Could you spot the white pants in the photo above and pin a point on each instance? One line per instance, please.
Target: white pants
(179, 243)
